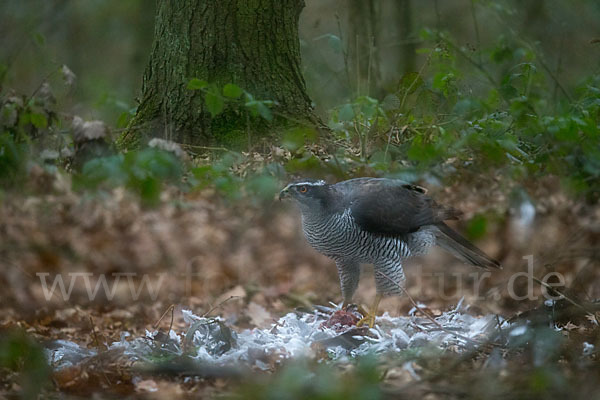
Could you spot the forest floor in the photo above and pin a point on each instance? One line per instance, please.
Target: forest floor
(224, 277)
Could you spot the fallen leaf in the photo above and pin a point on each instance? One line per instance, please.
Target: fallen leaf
(147, 385)
(236, 292)
(258, 315)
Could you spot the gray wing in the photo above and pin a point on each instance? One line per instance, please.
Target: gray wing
(393, 207)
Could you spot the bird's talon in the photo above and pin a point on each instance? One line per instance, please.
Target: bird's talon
(368, 320)
(362, 310)
(369, 317)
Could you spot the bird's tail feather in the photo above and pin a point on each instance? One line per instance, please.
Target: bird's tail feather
(452, 241)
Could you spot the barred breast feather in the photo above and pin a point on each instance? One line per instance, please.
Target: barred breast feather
(338, 236)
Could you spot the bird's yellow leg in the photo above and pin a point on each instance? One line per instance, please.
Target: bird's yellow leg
(369, 317)
(361, 309)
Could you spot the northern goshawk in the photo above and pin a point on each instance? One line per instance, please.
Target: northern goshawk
(377, 221)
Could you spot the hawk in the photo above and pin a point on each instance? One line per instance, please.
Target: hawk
(377, 221)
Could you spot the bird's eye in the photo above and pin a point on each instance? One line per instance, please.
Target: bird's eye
(303, 189)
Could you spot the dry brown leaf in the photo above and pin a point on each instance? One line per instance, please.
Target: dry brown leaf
(236, 292)
(147, 385)
(259, 316)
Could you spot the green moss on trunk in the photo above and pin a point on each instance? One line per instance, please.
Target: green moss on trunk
(252, 43)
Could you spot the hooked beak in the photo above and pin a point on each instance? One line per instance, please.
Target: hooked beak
(284, 193)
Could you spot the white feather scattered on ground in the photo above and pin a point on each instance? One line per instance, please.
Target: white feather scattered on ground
(294, 335)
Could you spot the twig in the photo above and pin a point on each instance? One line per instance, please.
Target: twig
(558, 68)
(408, 89)
(476, 26)
(387, 145)
(219, 305)
(357, 67)
(555, 79)
(44, 80)
(438, 17)
(339, 167)
(170, 308)
(94, 335)
(203, 147)
(470, 60)
(570, 300)
(308, 124)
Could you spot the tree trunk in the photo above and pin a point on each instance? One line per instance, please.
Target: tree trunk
(251, 43)
(408, 53)
(363, 46)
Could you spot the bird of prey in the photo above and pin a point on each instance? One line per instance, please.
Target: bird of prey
(377, 221)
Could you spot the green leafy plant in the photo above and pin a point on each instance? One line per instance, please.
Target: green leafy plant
(432, 124)
(19, 353)
(13, 161)
(260, 185)
(145, 172)
(216, 98)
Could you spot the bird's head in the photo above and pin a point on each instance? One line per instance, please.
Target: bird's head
(311, 196)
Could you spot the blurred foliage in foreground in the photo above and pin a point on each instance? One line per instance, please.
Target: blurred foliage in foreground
(300, 380)
(19, 354)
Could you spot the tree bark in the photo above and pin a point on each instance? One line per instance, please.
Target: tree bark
(251, 43)
(363, 46)
(408, 53)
